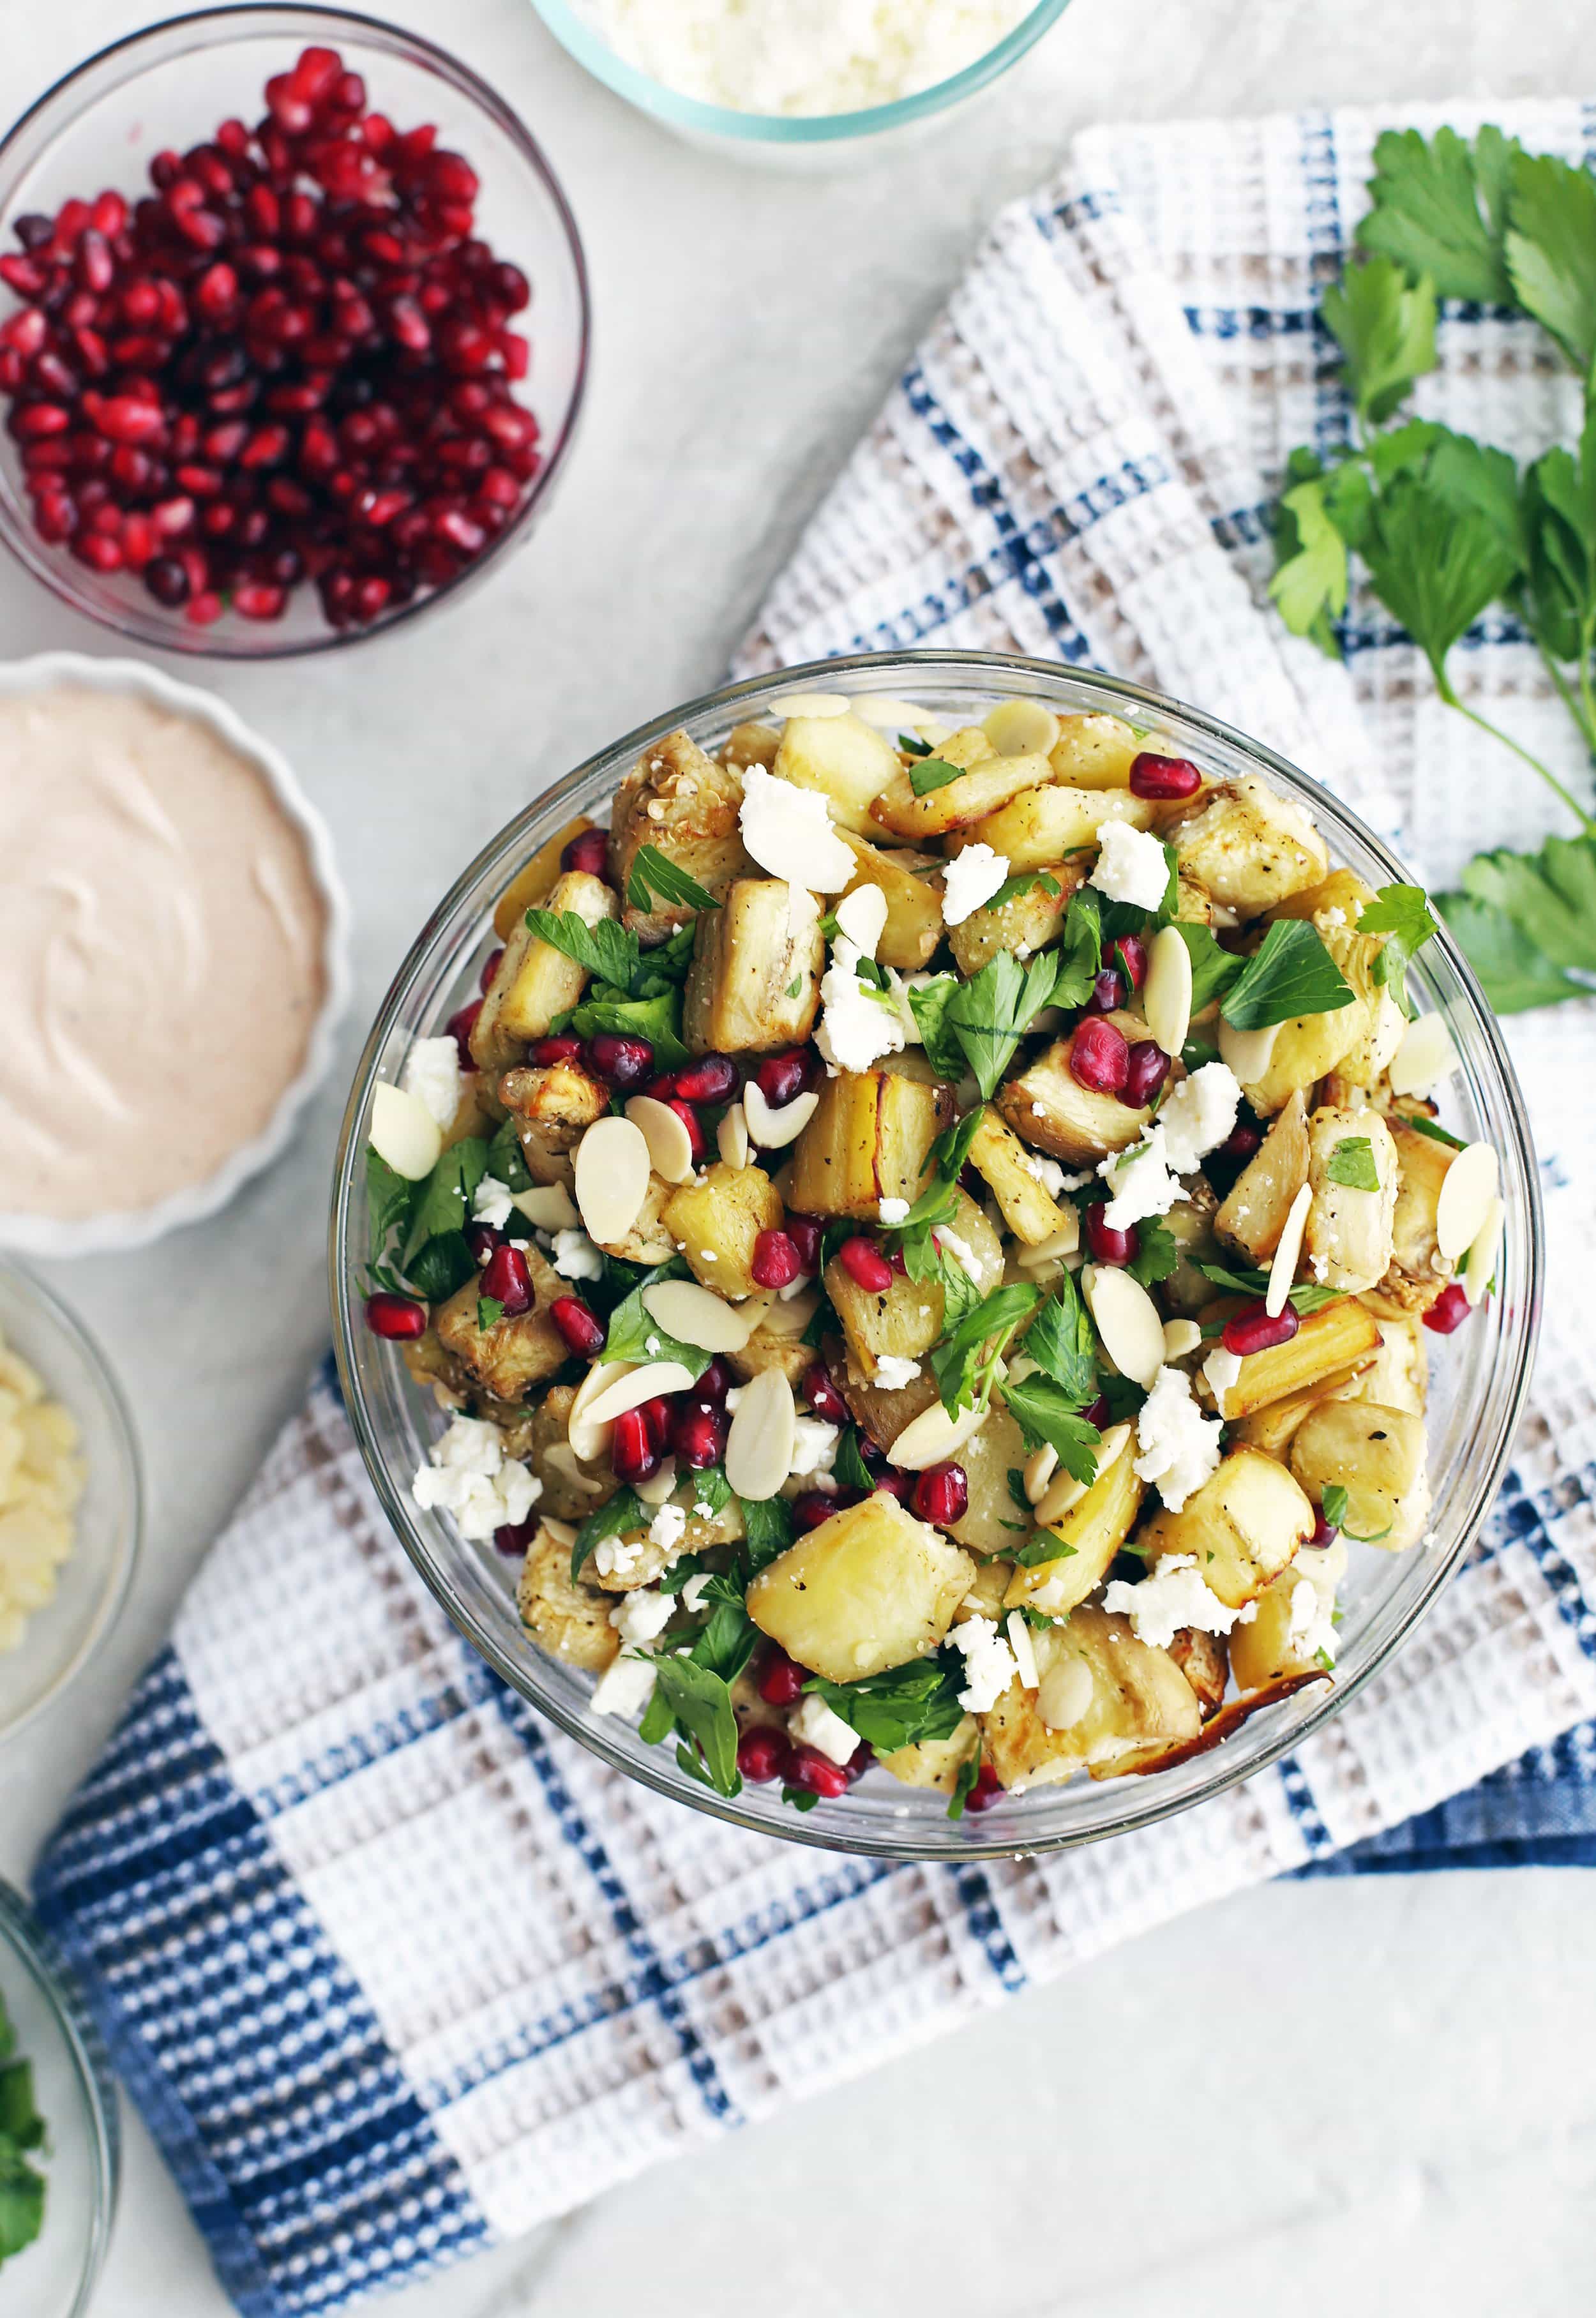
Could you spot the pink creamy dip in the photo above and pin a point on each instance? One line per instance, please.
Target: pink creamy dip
(161, 947)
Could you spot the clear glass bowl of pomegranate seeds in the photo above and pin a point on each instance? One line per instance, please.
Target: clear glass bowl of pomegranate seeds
(1477, 1343)
(293, 332)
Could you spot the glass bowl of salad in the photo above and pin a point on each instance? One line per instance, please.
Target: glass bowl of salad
(59, 2133)
(936, 1255)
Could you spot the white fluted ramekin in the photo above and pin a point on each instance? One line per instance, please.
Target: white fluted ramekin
(50, 1235)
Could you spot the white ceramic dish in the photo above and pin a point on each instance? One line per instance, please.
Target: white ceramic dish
(48, 1236)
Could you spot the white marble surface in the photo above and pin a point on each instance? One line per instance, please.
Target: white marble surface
(1382, 2092)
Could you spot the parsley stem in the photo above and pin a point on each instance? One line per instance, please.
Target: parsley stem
(1581, 716)
(1508, 741)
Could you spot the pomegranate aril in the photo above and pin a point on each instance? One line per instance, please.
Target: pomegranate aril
(1145, 1072)
(482, 1239)
(633, 1456)
(505, 1279)
(775, 1262)
(1450, 1310)
(460, 1027)
(715, 1382)
(489, 968)
(763, 1753)
(812, 1506)
(255, 601)
(582, 1331)
(816, 1773)
(709, 1079)
(942, 1495)
(1099, 1057)
(1107, 992)
(559, 1046)
(1255, 1330)
(781, 1077)
(698, 1436)
(1163, 778)
(823, 1395)
(1242, 1141)
(865, 1265)
(987, 1791)
(1324, 1533)
(780, 1680)
(621, 1063)
(401, 1318)
(1106, 1242)
(1130, 953)
(805, 1232)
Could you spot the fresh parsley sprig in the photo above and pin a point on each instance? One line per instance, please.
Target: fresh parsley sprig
(654, 878)
(1246, 1280)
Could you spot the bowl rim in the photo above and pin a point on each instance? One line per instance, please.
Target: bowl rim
(228, 24)
(655, 99)
(20, 1928)
(589, 1732)
(133, 1491)
(117, 1230)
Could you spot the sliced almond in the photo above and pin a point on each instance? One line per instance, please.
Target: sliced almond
(590, 1436)
(1180, 1338)
(1127, 1321)
(1067, 1492)
(1482, 1253)
(790, 1315)
(1165, 995)
(1288, 1250)
(563, 1533)
(612, 1172)
(773, 1130)
(933, 1435)
(862, 918)
(561, 1458)
(1467, 1190)
(657, 1487)
(1065, 1694)
(731, 1136)
(547, 1206)
(763, 1431)
(653, 1378)
(697, 1316)
(1024, 1649)
(1040, 1467)
(811, 703)
(888, 714)
(1247, 1053)
(1425, 1058)
(1064, 1242)
(404, 1133)
(671, 1146)
(1021, 728)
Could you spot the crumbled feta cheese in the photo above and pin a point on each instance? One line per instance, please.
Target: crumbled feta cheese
(1139, 1182)
(788, 832)
(1131, 866)
(893, 1372)
(814, 1446)
(639, 1617)
(1310, 1632)
(1198, 1115)
(989, 1663)
(625, 1687)
(862, 916)
(1222, 1369)
(492, 1202)
(468, 1475)
(1178, 1446)
(960, 1250)
(575, 1256)
(1047, 1172)
(971, 879)
(1024, 1649)
(855, 1027)
(817, 1726)
(892, 1212)
(668, 1528)
(432, 1073)
(1175, 1595)
(613, 1557)
(695, 1590)
(651, 1346)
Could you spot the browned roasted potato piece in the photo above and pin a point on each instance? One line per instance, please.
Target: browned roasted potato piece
(1089, 1536)
(1205, 1661)
(1348, 1241)
(755, 981)
(1379, 1022)
(479, 1110)
(767, 1349)
(750, 744)
(867, 1142)
(934, 1762)
(534, 882)
(1049, 1109)
(533, 981)
(991, 1522)
(510, 1358)
(847, 760)
(633, 1558)
(1336, 1338)
(436, 1369)
(1094, 752)
(1190, 1225)
(868, 1590)
(1398, 1376)
(1028, 922)
(957, 803)
(571, 1620)
(1045, 825)
(572, 1490)
(1270, 1644)
(1270, 1428)
(906, 1319)
(1248, 847)
(1244, 1525)
(1125, 1696)
(558, 1101)
(1379, 1456)
(1417, 1271)
(999, 1156)
(880, 1414)
(717, 1220)
(680, 801)
(913, 929)
(1253, 1215)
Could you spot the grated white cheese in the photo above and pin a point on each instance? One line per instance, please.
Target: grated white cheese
(1177, 1446)
(970, 880)
(892, 1212)
(668, 1528)
(855, 1028)
(1198, 1115)
(432, 1073)
(1175, 1595)
(893, 1372)
(640, 1617)
(805, 57)
(492, 1202)
(575, 1257)
(1130, 866)
(1139, 1182)
(468, 1475)
(989, 1663)
(814, 1447)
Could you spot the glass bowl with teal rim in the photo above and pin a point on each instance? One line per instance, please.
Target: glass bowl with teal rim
(79, 2159)
(813, 141)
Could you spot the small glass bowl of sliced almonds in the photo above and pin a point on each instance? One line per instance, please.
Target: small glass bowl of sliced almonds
(936, 1255)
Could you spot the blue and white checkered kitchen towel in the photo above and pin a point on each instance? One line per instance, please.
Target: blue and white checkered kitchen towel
(392, 1970)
